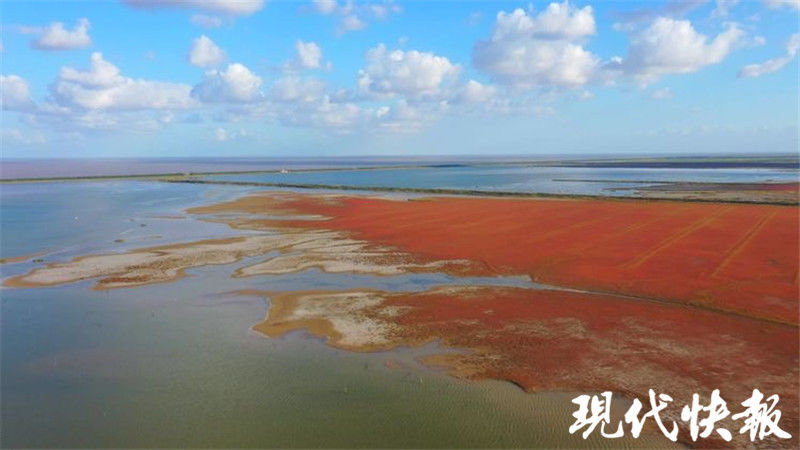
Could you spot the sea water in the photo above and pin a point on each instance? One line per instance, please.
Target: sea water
(523, 179)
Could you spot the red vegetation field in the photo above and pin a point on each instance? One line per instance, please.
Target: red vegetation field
(685, 297)
(728, 257)
(545, 340)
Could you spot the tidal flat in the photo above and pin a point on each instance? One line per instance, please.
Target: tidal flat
(454, 301)
(177, 364)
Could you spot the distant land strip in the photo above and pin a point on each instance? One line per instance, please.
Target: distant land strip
(161, 176)
(779, 162)
(469, 192)
(689, 183)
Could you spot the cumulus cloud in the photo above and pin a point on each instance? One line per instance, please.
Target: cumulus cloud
(229, 7)
(545, 49)
(557, 21)
(15, 94)
(308, 56)
(55, 36)
(475, 92)
(234, 84)
(410, 73)
(353, 16)
(775, 64)
(205, 53)
(103, 87)
(670, 46)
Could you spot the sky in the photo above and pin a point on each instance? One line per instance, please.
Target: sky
(193, 78)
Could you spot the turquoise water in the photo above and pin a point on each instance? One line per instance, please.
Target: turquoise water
(554, 180)
(177, 365)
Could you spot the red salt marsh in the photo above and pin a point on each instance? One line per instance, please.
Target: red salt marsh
(687, 297)
(727, 257)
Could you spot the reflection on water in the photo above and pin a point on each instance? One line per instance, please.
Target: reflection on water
(176, 365)
(553, 180)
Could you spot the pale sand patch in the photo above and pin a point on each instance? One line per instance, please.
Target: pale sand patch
(329, 251)
(299, 249)
(21, 258)
(154, 264)
(352, 320)
(354, 259)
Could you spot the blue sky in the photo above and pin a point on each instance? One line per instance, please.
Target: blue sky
(326, 78)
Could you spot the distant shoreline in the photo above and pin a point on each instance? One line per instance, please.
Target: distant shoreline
(790, 162)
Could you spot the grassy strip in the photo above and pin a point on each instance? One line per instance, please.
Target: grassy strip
(189, 175)
(465, 192)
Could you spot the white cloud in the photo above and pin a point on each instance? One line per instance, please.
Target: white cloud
(527, 50)
(15, 94)
(353, 16)
(102, 87)
(337, 117)
(234, 84)
(309, 55)
(325, 7)
(205, 21)
(293, 89)
(557, 21)
(411, 73)
(223, 135)
(403, 118)
(525, 64)
(55, 37)
(230, 7)
(775, 64)
(723, 8)
(775, 4)
(661, 94)
(351, 23)
(205, 53)
(475, 92)
(220, 135)
(670, 46)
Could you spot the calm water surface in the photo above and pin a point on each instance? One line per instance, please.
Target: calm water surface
(555, 180)
(176, 364)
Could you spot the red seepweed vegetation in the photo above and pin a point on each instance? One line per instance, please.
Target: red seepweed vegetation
(735, 258)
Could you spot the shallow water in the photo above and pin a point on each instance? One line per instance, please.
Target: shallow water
(176, 364)
(552, 180)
